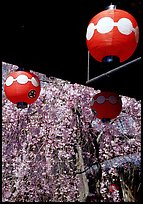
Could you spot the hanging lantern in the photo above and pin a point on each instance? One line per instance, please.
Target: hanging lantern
(113, 187)
(112, 33)
(22, 88)
(106, 105)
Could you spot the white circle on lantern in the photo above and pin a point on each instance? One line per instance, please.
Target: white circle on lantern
(112, 99)
(100, 99)
(9, 81)
(125, 26)
(105, 25)
(34, 82)
(22, 79)
(90, 31)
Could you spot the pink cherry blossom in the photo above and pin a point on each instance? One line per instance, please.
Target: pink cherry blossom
(41, 144)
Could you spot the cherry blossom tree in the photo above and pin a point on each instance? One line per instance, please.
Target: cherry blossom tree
(56, 150)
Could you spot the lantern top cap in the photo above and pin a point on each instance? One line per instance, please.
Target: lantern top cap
(111, 6)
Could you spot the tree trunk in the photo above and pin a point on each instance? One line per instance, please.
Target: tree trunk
(83, 185)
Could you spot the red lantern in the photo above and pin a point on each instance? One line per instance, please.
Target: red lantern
(22, 87)
(106, 105)
(112, 32)
(113, 187)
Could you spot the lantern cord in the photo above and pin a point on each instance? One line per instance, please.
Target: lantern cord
(113, 70)
(20, 69)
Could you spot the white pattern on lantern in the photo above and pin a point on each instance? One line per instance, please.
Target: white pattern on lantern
(90, 31)
(21, 79)
(125, 26)
(106, 24)
(9, 81)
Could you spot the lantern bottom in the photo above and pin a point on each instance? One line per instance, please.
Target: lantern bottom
(105, 120)
(111, 59)
(23, 69)
(21, 105)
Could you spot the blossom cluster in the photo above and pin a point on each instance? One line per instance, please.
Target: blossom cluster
(39, 160)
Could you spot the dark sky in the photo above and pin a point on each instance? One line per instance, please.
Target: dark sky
(50, 38)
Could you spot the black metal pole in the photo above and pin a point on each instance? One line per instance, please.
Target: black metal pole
(112, 71)
(88, 57)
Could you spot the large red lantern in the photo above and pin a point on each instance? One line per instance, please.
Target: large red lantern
(22, 87)
(112, 32)
(106, 105)
(113, 187)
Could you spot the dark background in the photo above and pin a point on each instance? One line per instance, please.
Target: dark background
(50, 37)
